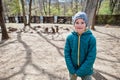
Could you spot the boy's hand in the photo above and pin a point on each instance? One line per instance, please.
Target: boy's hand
(74, 77)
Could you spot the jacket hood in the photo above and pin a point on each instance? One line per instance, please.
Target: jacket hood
(87, 32)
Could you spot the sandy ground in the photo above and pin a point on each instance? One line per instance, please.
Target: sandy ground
(35, 55)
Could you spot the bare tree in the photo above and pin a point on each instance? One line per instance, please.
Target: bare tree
(94, 17)
(2, 23)
(115, 6)
(40, 6)
(90, 7)
(44, 7)
(98, 6)
(58, 6)
(64, 8)
(5, 7)
(72, 6)
(76, 6)
(112, 5)
(30, 5)
(24, 18)
(49, 7)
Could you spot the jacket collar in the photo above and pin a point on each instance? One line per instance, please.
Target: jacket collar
(87, 31)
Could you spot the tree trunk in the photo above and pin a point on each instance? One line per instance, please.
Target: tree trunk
(20, 8)
(30, 5)
(49, 7)
(2, 23)
(76, 6)
(58, 6)
(64, 9)
(40, 6)
(115, 6)
(72, 7)
(112, 5)
(94, 17)
(98, 6)
(90, 9)
(24, 18)
(44, 7)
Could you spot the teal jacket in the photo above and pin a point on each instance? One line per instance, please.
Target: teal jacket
(80, 53)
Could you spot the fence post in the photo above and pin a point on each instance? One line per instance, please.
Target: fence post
(55, 19)
(6, 19)
(16, 19)
(41, 19)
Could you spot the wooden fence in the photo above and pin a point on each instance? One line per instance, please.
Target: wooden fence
(100, 19)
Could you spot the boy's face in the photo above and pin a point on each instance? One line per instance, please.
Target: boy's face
(80, 26)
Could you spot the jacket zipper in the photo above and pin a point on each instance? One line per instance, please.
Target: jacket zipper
(78, 50)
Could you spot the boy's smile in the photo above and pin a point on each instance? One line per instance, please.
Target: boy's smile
(80, 26)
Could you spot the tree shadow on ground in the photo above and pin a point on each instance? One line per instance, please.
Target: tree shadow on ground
(108, 35)
(108, 60)
(57, 47)
(2, 44)
(118, 59)
(2, 41)
(54, 36)
(98, 76)
(98, 73)
(58, 35)
(29, 62)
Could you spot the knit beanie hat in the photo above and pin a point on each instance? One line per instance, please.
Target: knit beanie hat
(81, 15)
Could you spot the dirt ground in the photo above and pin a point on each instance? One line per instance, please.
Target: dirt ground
(35, 55)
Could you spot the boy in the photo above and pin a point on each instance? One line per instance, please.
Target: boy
(80, 49)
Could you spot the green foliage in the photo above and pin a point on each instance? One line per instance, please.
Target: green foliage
(14, 7)
(108, 19)
(104, 8)
(69, 12)
(111, 20)
(54, 11)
